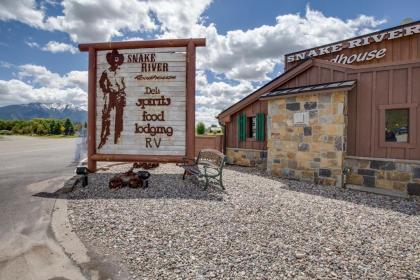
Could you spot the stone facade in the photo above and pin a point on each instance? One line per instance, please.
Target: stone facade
(393, 174)
(247, 157)
(313, 150)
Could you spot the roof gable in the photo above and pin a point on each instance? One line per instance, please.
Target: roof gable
(278, 82)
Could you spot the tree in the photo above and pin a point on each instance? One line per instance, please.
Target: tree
(56, 129)
(52, 127)
(201, 128)
(68, 127)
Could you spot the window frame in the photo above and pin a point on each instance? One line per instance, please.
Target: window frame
(412, 119)
(249, 128)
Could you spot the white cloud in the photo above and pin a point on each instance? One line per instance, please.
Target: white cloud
(253, 54)
(5, 64)
(36, 83)
(40, 75)
(18, 92)
(32, 44)
(96, 20)
(216, 96)
(55, 47)
(25, 11)
(239, 57)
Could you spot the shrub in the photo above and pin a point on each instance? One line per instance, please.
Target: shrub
(201, 128)
(5, 132)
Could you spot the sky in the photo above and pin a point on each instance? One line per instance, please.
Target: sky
(246, 40)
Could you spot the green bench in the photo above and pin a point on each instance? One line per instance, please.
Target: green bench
(208, 165)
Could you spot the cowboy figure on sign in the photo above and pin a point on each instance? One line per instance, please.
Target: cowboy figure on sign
(112, 86)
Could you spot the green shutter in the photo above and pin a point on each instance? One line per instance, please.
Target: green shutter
(241, 127)
(244, 127)
(238, 128)
(260, 120)
(257, 120)
(262, 126)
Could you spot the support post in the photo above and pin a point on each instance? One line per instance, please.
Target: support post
(190, 129)
(91, 145)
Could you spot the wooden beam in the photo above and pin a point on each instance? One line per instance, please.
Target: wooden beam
(137, 158)
(197, 42)
(91, 145)
(190, 96)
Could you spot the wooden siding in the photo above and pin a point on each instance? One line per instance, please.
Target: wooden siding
(208, 142)
(400, 49)
(384, 85)
(231, 128)
(134, 143)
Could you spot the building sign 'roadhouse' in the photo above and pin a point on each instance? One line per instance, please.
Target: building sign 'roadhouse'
(141, 100)
(371, 54)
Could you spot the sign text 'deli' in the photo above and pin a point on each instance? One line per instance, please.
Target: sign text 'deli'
(141, 101)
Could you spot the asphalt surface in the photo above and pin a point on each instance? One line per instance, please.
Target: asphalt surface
(29, 166)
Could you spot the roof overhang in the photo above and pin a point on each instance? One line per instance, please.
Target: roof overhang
(277, 82)
(311, 89)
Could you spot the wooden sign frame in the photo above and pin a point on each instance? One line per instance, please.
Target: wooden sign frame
(92, 48)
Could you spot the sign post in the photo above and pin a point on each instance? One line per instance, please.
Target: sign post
(141, 100)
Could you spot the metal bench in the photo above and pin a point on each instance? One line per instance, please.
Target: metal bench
(208, 165)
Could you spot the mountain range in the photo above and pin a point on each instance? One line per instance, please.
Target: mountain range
(43, 110)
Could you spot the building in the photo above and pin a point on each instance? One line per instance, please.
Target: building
(343, 113)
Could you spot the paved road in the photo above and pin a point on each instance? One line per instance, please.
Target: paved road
(29, 165)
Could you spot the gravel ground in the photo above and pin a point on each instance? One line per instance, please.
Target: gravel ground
(260, 227)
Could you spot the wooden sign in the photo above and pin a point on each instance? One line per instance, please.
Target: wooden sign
(141, 100)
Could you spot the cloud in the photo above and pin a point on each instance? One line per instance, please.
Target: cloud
(216, 96)
(25, 11)
(55, 47)
(96, 20)
(253, 54)
(32, 44)
(241, 58)
(36, 83)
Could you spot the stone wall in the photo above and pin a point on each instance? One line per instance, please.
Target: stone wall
(247, 157)
(393, 174)
(313, 151)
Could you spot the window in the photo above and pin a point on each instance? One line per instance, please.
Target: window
(252, 127)
(397, 122)
(397, 125)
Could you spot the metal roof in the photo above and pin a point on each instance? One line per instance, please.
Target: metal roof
(303, 89)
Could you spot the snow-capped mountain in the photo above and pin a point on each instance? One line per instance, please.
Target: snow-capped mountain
(43, 110)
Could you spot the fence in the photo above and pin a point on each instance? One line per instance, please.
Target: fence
(208, 142)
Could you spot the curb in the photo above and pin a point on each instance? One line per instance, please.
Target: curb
(69, 241)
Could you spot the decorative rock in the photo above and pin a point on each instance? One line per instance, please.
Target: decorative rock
(325, 98)
(313, 114)
(309, 105)
(307, 131)
(382, 165)
(369, 181)
(303, 147)
(324, 172)
(416, 173)
(176, 230)
(367, 172)
(413, 189)
(325, 120)
(293, 106)
(338, 143)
